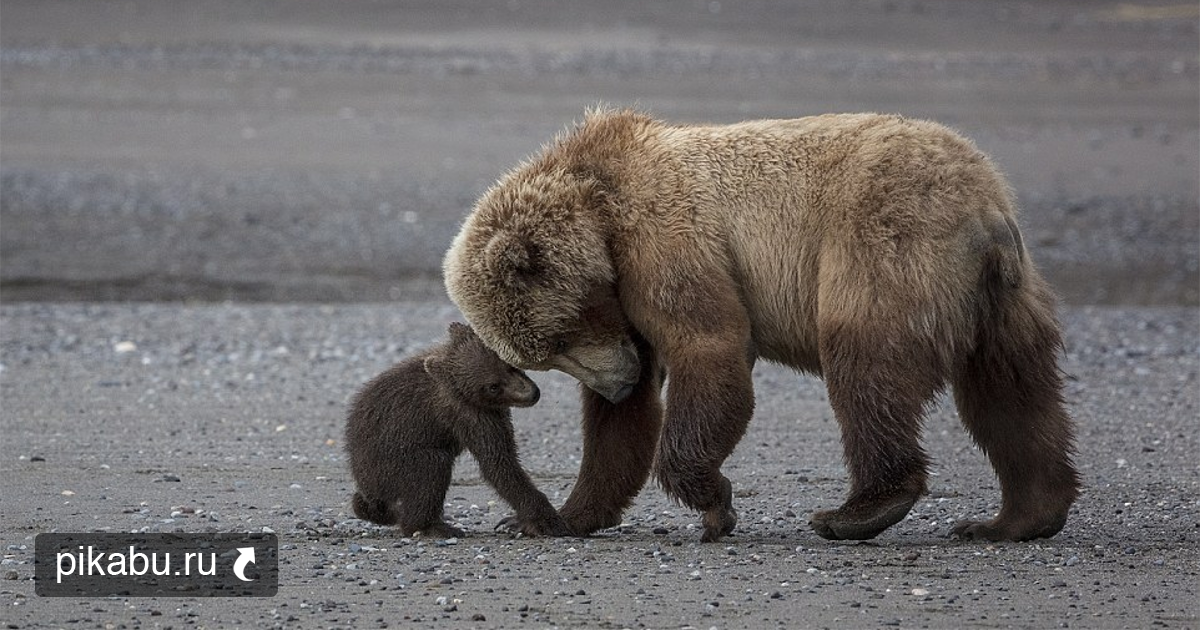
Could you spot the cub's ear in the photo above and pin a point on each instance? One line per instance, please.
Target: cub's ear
(436, 367)
(512, 259)
(460, 332)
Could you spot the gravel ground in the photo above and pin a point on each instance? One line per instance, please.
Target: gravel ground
(227, 418)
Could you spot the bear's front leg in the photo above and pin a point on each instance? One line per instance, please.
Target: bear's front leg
(618, 451)
(710, 400)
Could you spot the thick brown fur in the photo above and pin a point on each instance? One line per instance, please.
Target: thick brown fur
(879, 252)
(408, 425)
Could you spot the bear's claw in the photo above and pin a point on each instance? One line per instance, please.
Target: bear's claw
(720, 519)
(553, 526)
(996, 529)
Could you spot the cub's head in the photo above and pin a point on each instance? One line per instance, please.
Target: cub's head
(479, 376)
(532, 272)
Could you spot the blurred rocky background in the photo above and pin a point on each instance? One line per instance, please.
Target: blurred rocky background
(308, 150)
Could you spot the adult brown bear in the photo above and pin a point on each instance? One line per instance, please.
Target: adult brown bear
(879, 252)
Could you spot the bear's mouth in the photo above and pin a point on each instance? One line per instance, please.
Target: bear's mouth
(614, 390)
(621, 394)
(611, 371)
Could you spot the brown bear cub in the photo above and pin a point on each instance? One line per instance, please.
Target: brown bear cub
(408, 425)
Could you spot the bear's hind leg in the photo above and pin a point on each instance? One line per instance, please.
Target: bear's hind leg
(1008, 393)
(878, 386)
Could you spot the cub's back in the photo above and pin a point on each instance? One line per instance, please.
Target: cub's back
(399, 409)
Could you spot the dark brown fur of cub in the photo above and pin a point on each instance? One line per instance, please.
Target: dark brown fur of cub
(408, 425)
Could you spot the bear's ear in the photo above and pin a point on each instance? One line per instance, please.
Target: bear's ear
(460, 332)
(512, 259)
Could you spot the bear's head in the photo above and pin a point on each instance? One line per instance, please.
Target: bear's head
(532, 272)
(478, 376)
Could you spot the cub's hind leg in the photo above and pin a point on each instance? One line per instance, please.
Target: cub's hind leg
(424, 480)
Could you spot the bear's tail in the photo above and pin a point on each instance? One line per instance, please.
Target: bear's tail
(1007, 258)
(1008, 391)
(377, 511)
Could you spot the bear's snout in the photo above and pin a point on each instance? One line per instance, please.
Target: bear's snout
(526, 395)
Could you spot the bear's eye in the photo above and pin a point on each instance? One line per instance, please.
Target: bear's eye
(493, 389)
(560, 345)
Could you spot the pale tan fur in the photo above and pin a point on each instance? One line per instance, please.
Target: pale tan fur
(785, 207)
